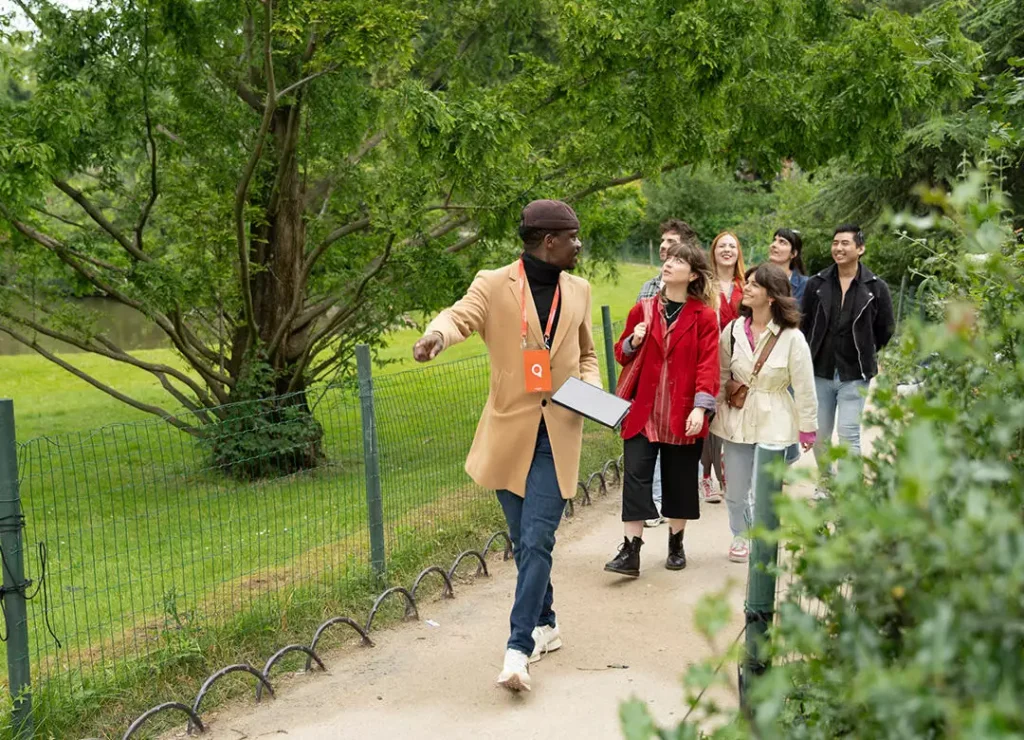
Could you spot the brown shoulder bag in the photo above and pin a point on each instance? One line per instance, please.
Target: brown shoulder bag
(735, 391)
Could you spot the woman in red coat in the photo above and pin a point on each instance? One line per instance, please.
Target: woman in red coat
(669, 353)
(727, 267)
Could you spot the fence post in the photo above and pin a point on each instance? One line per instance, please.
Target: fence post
(371, 459)
(15, 611)
(609, 346)
(899, 306)
(760, 604)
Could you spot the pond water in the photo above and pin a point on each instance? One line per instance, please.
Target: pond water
(122, 325)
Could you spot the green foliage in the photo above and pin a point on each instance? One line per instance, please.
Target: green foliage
(905, 614)
(403, 140)
(259, 436)
(713, 202)
(710, 200)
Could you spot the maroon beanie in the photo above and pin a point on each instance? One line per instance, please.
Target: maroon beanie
(549, 214)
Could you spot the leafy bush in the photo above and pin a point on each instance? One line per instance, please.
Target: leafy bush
(708, 199)
(264, 435)
(906, 615)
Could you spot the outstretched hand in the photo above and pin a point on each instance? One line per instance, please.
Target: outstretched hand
(427, 348)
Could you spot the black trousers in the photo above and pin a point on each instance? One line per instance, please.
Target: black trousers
(679, 466)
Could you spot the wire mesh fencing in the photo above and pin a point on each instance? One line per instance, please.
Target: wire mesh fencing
(147, 533)
(151, 534)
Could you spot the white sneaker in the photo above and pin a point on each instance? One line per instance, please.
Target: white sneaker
(546, 639)
(515, 674)
(657, 521)
(709, 491)
(739, 550)
(820, 494)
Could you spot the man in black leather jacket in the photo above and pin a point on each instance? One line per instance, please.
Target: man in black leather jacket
(847, 319)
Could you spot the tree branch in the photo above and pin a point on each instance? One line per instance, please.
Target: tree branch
(249, 97)
(435, 79)
(306, 80)
(373, 272)
(116, 353)
(147, 408)
(342, 348)
(64, 255)
(339, 233)
(153, 191)
(63, 220)
(465, 242)
(28, 13)
(170, 134)
(97, 215)
(307, 267)
(611, 183)
(315, 311)
(105, 348)
(242, 191)
(472, 239)
(212, 377)
(445, 227)
(321, 188)
(96, 262)
(310, 45)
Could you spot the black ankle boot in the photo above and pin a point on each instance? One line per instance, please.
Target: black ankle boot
(627, 562)
(676, 559)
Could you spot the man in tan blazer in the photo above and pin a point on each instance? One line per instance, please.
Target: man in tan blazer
(527, 448)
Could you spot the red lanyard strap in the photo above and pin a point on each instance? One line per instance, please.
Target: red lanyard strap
(522, 307)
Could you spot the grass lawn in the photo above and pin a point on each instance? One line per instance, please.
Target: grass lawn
(147, 541)
(50, 401)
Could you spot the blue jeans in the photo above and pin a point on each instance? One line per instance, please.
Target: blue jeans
(842, 399)
(739, 494)
(532, 521)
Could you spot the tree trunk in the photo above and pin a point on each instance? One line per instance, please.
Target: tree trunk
(272, 430)
(281, 250)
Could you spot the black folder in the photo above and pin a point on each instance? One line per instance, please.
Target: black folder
(592, 402)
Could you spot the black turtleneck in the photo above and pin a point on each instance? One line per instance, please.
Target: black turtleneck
(542, 278)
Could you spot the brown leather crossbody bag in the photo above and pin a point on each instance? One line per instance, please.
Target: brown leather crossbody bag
(735, 391)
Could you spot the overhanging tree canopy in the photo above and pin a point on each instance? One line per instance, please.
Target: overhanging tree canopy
(271, 182)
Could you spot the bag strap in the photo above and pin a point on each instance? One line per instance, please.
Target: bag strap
(648, 307)
(763, 357)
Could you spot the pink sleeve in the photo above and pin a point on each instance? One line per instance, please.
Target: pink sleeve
(808, 438)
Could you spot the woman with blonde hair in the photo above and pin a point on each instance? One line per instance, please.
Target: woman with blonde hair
(669, 354)
(727, 267)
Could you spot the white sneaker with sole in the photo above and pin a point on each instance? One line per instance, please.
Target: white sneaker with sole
(710, 492)
(739, 550)
(546, 639)
(657, 521)
(820, 494)
(515, 674)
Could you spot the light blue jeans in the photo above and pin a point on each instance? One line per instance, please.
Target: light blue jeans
(839, 402)
(739, 497)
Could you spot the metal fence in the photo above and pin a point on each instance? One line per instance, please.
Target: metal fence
(149, 532)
